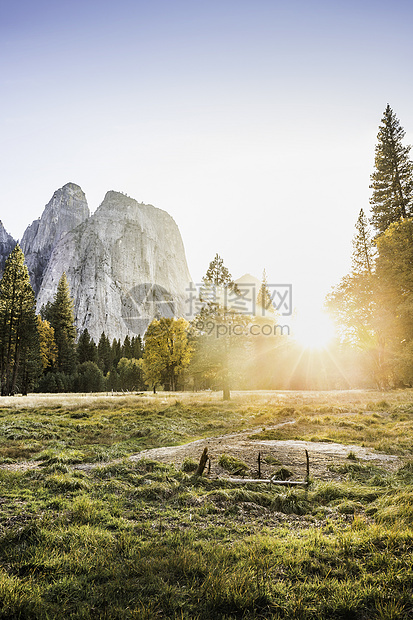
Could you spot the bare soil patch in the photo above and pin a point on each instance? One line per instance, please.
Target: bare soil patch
(288, 453)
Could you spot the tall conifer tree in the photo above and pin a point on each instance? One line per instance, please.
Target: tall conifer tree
(215, 347)
(264, 298)
(363, 250)
(105, 357)
(19, 341)
(392, 179)
(61, 317)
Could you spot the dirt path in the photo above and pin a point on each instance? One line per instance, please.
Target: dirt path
(274, 454)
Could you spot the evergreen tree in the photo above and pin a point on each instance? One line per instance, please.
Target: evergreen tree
(116, 352)
(216, 347)
(60, 315)
(357, 309)
(392, 179)
(86, 348)
(105, 358)
(217, 274)
(218, 285)
(127, 348)
(137, 347)
(19, 340)
(30, 368)
(264, 300)
(363, 249)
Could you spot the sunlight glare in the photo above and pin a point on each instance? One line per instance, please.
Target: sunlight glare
(314, 330)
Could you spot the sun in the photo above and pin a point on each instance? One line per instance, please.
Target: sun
(313, 330)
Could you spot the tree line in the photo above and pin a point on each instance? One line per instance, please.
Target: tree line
(217, 350)
(40, 352)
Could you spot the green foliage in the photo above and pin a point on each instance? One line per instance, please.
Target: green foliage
(363, 313)
(105, 356)
(130, 375)
(217, 275)
(264, 300)
(20, 358)
(89, 378)
(395, 274)
(86, 348)
(60, 315)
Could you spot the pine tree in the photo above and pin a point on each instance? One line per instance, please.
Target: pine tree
(127, 348)
(116, 352)
(217, 285)
(137, 347)
(105, 357)
(392, 180)
(60, 315)
(19, 342)
(264, 298)
(216, 348)
(357, 308)
(217, 274)
(30, 367)
(86, 348)
(363, 249)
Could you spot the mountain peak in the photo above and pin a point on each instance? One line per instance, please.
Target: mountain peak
(67, 209)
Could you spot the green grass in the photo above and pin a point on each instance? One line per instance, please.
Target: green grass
(82, 537)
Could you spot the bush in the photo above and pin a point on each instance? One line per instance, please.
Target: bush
(89, 378)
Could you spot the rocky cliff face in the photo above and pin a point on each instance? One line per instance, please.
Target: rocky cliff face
(7, 244)
(125, 265)
(67, 209)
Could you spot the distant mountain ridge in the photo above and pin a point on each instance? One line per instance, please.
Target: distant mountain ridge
(125, 263)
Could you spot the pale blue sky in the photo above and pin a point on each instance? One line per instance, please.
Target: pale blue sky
(252, 123)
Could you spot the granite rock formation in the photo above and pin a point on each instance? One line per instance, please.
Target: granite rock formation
(67, 209)
(7, 244)
(125, 264)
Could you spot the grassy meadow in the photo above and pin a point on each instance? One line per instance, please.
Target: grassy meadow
(85, 532)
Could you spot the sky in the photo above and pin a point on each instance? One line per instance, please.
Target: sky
(252, 123)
